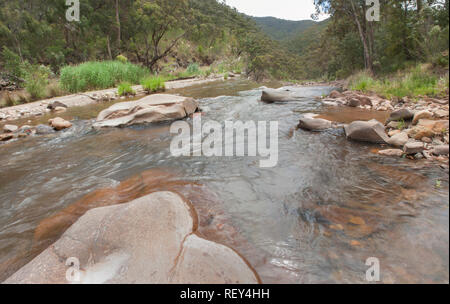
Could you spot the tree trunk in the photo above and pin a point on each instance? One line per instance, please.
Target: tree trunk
(109, 47)
(367, 54)
(419, 5)
(118, 24)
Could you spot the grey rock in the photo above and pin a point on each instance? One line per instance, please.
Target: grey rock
(401, 114)
(271, 96)
(314, 124)
(441, 150)
(150, 109)
(368, 131)
(10, 128)
(150, 240)
(413, 147)
(398, 140)
(43, 129)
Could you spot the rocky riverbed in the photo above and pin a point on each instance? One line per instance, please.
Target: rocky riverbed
(417, 129)
(328, 205)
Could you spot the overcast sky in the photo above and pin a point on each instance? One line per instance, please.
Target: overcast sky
(283, 9)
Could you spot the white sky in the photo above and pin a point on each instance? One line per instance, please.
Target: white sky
(283, 9)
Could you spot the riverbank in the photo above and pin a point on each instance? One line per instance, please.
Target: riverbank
(39, 108)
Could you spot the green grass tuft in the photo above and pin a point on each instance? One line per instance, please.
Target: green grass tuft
(125, 89)
(153, 84)
(100, 75)
(416, 82)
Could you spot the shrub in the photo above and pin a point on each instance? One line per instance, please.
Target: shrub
(125, 89)
(54, 90)
(153, 84)
(100, 75)
(122, 58)
(8, 100)
(361, 82)
(36, 80)
(12, 63)
(414, 82)
(193, 69)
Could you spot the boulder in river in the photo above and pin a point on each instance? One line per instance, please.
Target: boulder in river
(149, 240)
(441, 150)
(422, 115)
(401, 114)
(413, 147)
(59, 124)
(271, 96)
(150, 109)
(314, 124)
(398, 140)
(56, 104)
(368, 131)
(358, 100)
(391, 152)
(6, 137)
(335, 94)
(43, 129)
(10, 128)
(428, 128)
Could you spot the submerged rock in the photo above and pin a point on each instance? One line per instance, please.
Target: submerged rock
(43, 129)
(149, 240)
(368, 131)
(150, 109)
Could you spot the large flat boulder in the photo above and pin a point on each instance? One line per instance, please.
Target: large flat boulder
(150, 109)
(368, 131)
(149, 240)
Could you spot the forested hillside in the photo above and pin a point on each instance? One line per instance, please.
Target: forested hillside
(160, 35)
(279, 29)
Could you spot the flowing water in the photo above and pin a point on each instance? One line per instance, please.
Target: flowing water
(316, 217)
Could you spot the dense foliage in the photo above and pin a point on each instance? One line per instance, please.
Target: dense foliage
(409, 32)
(160, 35)
(279, 29)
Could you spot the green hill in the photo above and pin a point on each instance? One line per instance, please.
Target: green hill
(280, 29)
(301, 41)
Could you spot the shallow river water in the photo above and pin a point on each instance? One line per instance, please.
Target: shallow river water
(316, 217)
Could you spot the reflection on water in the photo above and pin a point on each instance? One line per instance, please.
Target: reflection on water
(315, 218)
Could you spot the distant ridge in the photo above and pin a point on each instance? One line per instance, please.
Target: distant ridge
(280, 29)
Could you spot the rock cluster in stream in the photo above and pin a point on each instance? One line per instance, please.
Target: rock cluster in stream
(414, 129)
(11, 132)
